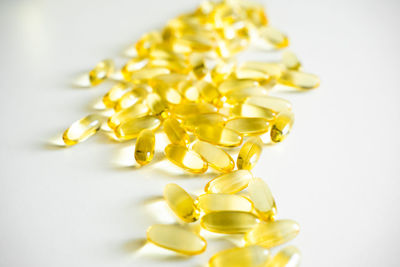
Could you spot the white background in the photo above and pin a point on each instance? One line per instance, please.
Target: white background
(337, 174)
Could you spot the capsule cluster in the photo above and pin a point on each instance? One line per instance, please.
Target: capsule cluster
(185, 80)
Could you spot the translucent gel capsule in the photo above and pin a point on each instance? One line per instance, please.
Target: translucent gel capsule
(229, 183)
(290, 60)
(156, 104)
(145, 146)
(215, 156)
(281, 127)
(147, 42)
(169, 95)
(176, 238)
(289, 256)
(82, 129)
(132, 97)
(181, 203)
(199, 66)
(146, 74)
(274, 103)
(188, 44)
(190, 123)
(248, 126)
(188, 109)
(133, 65)
(273, 70)
(249, 154)
(272, 233)
(229, 222)
(262, 198)
(188, 90)
(218, 135)
(185, 158)
(208, 92)
(299, 80)
(222, 71)
(252, 111)
(274, 37)
(251, 256)
(223, 202)
(240, 95)
(135, 111)
(249, 73)
(131, 129)
(175, 133)
(101, 72)
(111, 98)
(234, 84)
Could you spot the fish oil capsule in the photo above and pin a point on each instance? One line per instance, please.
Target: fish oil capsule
(188, 90)
(248, 73)
(251, 256)
(240, 95)
(215, 156)
(262, 198)
(176, 238)
(234, 84)
(146, 74)
(181, 203)
(185, 158)
(248, 126)
(249, 154)
(82, 129)
(188, 44)
(145, 146)
(299, 80)
(222, 71)
(218, 135)
(208, 92)
(186, 109)
(229, 222)
(130, 129)
(190, 123)
(229, 183)
(274, 37)
(111, 98)
(169, 95)
(289, 256)
(272, 233)
(174, 65)
(252, 111)
(175, 133)
(274, 103)
(273, 70)
(101, 72)
(281, 127)
(223, 202)
(133, 65)
(290, 60)
(147, 42)
(132, 97)
(156, 104)
(135, 111)
(199, 67)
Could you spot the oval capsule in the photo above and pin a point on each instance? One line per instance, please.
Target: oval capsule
(187, 109)
(234, 84)
(156, 104)
(175, 133)
(218, 135)
(82, 129)
(248, 126)
(261, 196)
(131, 97)
(190, 123)
(111, 98)
(274, 37)
(101, 72)
(249, 154)
(281, 127)
(185, 158)
(244, 72)
(145, 146)
(273, 70)
(270, 102)
(215, 156)
(145, 74)
(240, 95)
(299, 80)
(229, 222)
(223, 202)
(181, 203)
(289, 256)
(131, 129)
(251, 111)
(133, 65)
(135, 111)
(188, 90)
(290, 60)
(176, 238)
(251, 256)
(229, 183)
(208, 92)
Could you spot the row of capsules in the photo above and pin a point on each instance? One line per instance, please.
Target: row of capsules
(185, 80)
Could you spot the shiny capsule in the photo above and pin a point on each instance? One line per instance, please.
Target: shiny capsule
(299, 80)
(274, 37)
(181, 203)
(133, 65)
(215, 156)
(248, 126)
(188, 109)
(82, 129)
(208, 92)
(101, 72)
(131, 129)
(131, 97)
(249, 154)
(290, 60)
(281, 127)
(270, 102)
(135, 111)
(111, 98)
(223, 202)
(251, 256)
(229, 222)
(272, 233)
(234, 84)
(191, 122)
(252, 111)
(261, 196)
(185, 158)
(176, 238)
(289, 256)
(218, 135)
(253, 74)
(156, 104)
(147, 73)
(229, 183)
(147, 42)
(272, 70)
(175, 133)
(188, 90)
(145, 146)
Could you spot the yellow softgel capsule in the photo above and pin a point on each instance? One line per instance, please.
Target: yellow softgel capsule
(251, 256)
(218, 135)
(222, 71)
(229, 222)
(131, 129)
(208, 92)
(215, 156)
(181, 203)
(111, 98)
(188, 90)
(273, 103)
(145, 146)
(156, 104)
(135, 111)
(223, 202)
(147, 42)
(175, 133)
(299, 80)
(281, 127)
(146, 74)
(190, 123)
(176, 238)
(272, 233)
(101, 72)
(249, 154)
(82, 129)
(131, 97)
(289, 256)
(273, 70)
(133, 65)
(234, 84)
(244, 72)
(252, 111)
(229, 183)
(290, 60)
(248, 126)
(185, 158)
(169, 95)
(240, 95)
(274, 37)
(261, 196)
(187, 109)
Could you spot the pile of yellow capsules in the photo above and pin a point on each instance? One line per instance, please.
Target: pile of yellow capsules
(184, 80)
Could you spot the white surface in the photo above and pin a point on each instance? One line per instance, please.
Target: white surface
(338, 173)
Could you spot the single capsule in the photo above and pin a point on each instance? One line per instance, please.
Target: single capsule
(101, 72)
(181, 203)
(174, 65)
(270, 234)
(229, 222)
(241, 95)
(208, 92)
(215, 156)
(147, 42)
(145, 146)
(252, 111)
(176, 238)
(82, 129)
(156, 104)
(223, 202)
(248, 126)
(218, 135)
(261, 196)
(190, 44)
(251, 256)
(169, 95)
(273, 103)
(198, 64)
(274, 37)
(132, 97)
(253, 74)
(147, 74)
(187, 109)
(190, 123)
(188, 90)
(131, 129)
(168, 80)
(273, 70)
(289, 256)
(135, 111)
(175, 133)
(185, 158)
(229, 183)
(249, 154)
(133, 65)
(111, 98)
(222, 71)
(299, 80)
(234, 84)
(290, 60)
(281, 127)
